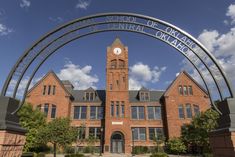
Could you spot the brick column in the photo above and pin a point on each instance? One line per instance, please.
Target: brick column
(222, 139)
(12, 137)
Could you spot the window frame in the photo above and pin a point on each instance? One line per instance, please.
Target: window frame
(188, 108)
(53, 111)
(80, 112)
(138, 112)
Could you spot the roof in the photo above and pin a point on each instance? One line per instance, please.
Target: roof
(79, 95)
(117, 41)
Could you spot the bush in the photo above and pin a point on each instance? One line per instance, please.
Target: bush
(28, 154)
(158, 149)
(207, 155)
(69, 150)
(74, 155)
(41, 155)
(90, 149)
(159, 155)
(176, 146)
(140, 150)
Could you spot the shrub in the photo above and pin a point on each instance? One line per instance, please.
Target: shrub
(41, 155)
(207, 155)
(176, 146)
(69, 149)
(74, 155)
(28, 154)
(159, 155)
(140, 150)
(90, 149)
(158, 149)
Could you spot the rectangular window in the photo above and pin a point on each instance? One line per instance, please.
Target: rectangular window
(111, 86)
(91, 96)
(146, 97)
(137, 112)
(80, 112)
(142, 96)
(87, 96)
(155, 133)
(46, 108)
(188, 111)
(53, 111)
(53, 92)
(180, 90)
(94, 132)
(96, 112)
(190, 89)
(44, 90)
(196, 109)
(181, 111)
(122, 109)
(49, 90)
(81, 132)
(139, 133)
(117, 109)
(185, 90)
(112, 108)
(154, 112)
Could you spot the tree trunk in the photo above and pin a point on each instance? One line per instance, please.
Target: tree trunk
(54, 149)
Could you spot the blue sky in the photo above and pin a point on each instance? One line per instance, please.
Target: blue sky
(152, 63)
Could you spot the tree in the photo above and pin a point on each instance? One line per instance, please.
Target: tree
(58, 132)
(197, 132)
(176, 146)
(31, 120)
(158, 140)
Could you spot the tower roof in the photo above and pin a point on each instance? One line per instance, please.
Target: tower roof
(117, 41)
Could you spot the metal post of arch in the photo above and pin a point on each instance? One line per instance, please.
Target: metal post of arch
(184, 43)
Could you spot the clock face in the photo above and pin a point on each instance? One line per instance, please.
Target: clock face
(117, 51)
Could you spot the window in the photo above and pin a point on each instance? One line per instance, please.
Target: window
(144, 96)
(89, 96)
(154, 112)
(53, 92)
(190, 89)
(111, 87)
(180, 90)
(185, 90)
(139, 133)
(137, 112)
(44, 90)
(96, 112)
(122, 109)
(46, 108)
(81, 132)
(94, 132)
(188, 111)
(121, 64)
(53, 111)
(80, 112)
(155, 133)
(117, 109)
(112, 108)
(196, 109)
(49, 90)
(114, 63)
(117, 82)
(181, 111)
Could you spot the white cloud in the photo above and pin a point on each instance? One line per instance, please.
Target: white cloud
(80, 77)
(25, 3)
(141, 74)
(83, 4)
(231, 13)
(56, 19)
(4, 30)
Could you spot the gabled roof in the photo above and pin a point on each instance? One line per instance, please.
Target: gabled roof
(180, 74)
(55, 76)
(143, 89)
(154, 96)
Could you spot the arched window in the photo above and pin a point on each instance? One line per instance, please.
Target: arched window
(121, 63)
(114, 63)
(53, 111)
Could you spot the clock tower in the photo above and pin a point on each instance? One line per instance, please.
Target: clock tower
(117, 117)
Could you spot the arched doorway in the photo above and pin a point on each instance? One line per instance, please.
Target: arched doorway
(117, 142)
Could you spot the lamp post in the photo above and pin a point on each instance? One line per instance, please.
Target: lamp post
(101, 140)
(133, 142)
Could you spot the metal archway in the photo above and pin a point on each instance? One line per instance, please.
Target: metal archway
(204, 62)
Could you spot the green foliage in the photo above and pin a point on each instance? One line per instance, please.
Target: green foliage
(176, 146)
(140, 150)
(74, 155)
(58, 132)
(41, 155)
(158, 141)
(159, 155)
(197, 132)
(32, 120)
(207, 155)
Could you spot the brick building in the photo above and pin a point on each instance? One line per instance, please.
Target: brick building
(121, 117)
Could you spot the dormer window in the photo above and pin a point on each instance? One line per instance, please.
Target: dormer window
(144, 96)
(89, 96)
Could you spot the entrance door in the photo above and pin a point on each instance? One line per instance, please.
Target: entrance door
(117, 143)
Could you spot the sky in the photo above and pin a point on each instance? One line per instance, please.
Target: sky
(152, 63)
